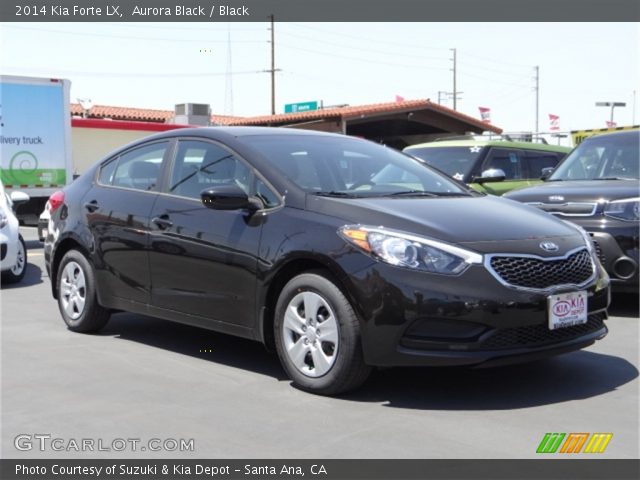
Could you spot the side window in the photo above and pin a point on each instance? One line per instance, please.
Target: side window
(200, 165)
(509, 161)
(265, 194)
(106, 173)
(537, 160)
(138, 169)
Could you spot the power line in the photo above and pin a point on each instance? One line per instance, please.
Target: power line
(140, 75)
(368, 39)
(359, 59)
(369, 50)
(125, 37)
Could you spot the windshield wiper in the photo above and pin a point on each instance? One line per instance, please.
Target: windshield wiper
(422, 193)
(333, 193)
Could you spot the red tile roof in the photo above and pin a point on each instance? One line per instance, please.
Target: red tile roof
(346, 113)
(124, 113)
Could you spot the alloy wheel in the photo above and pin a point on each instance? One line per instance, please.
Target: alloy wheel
(73, 290)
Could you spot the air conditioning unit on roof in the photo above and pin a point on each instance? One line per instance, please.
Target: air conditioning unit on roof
(192, 114)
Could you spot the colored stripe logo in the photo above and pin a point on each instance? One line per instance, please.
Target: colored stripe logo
(573, 442)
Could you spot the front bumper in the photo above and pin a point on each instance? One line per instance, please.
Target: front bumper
(414, 318)
(618, 253)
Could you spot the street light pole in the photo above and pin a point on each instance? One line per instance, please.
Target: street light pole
(612, 105)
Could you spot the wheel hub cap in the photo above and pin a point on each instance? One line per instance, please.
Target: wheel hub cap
(310, 334)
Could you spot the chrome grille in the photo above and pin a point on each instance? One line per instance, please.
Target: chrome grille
(539, 273)
(568, 209)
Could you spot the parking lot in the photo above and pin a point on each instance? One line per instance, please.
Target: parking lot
(143, 378)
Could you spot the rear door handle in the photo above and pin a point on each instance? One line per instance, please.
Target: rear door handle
(92, 206)
(162, 222)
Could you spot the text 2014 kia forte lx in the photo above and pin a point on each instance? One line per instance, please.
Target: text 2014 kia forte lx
(339, 253)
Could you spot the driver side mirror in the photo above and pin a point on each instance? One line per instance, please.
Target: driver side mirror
(491, 175)
(18, 198)
(229, 197)
(546, 172)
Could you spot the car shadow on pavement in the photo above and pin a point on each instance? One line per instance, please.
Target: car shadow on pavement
(574, 376)
(625, 305)
(196, 342)
(32, 276)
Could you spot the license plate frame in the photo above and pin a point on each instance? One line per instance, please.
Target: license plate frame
(567, 309)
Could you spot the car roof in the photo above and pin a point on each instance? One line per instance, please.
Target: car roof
(621, 134)
(218, 132)
(490, 143)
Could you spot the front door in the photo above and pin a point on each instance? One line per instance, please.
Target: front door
(203, 261)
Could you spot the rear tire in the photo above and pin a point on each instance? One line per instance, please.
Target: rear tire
(77, 297)
(318, 336)
(17, 272)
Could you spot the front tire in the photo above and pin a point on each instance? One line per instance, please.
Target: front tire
(16, 273)
(77, 298)
(318, 336)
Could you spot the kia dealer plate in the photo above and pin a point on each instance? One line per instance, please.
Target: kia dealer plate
(567, 309)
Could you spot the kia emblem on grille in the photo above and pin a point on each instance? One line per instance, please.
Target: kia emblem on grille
(549, 246)
(556, 198)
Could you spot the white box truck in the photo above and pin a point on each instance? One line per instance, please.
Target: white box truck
(35, 139)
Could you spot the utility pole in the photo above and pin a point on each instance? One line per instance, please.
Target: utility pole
(273, 67)
(228, 87)
(455, 90)
(537, 89)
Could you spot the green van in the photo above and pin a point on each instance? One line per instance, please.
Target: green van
(490, 166)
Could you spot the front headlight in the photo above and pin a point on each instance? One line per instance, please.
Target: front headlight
(627, 209)
(406, 250)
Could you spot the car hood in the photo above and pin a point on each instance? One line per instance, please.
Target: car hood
(577, 191)
(481, 222)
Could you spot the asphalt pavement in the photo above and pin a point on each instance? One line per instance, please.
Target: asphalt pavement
(141, 379)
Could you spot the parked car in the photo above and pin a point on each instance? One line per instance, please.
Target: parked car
(281, 236)
(597, 187)
(490, 166)
(43, 222)
(13, 252)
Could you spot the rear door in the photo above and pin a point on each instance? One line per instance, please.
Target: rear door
(117, 210)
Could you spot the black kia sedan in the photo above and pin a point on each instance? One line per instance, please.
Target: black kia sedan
(598, 187)
(287, 237)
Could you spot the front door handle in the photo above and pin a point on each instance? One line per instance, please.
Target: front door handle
(162, 222)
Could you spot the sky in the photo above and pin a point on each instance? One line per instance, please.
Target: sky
(156, 65)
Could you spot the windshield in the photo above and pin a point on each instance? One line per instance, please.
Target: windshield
(350, 167)
(601, 157)
(456, 162)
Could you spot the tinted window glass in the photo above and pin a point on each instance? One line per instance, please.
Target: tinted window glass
(538, 160)
(140, 168)
(457, 162)
(348, 166)
(106, 173)
(265, 194)
(607, 156)
(202, 165)
(508, 161)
